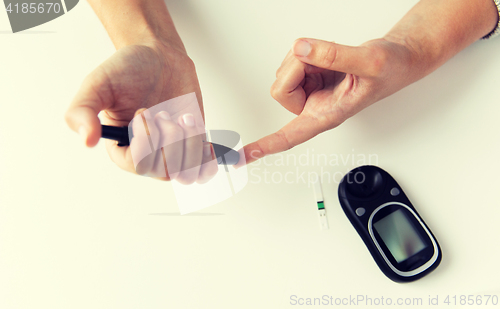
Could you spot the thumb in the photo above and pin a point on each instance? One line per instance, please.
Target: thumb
(355, 60)
(81, 116)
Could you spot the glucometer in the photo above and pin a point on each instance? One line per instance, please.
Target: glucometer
(398, 239)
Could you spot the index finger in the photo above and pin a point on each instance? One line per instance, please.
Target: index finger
(302, 128)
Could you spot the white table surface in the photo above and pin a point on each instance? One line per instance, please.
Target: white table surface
(77, 232)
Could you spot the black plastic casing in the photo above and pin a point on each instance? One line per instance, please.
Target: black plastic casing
(123, 135)
(371, 193)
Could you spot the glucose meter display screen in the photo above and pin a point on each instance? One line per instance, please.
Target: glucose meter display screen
(399, 235)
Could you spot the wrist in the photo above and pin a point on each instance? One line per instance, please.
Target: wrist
(418, 61)
(137, 22)
(435, 30)
(148, 33)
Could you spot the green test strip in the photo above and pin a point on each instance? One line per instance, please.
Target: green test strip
(318, 194)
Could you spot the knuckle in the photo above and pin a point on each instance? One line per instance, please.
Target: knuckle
(328, 56)
(182, 61)
(171, 135)
(281, 136)
(190, 64)
(275, 92)
(279, 71)
(167, 126)
(172, 131)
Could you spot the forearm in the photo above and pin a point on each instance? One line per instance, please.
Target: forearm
(436, 30)
(136, 22)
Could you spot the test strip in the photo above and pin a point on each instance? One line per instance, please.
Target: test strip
(318, 194)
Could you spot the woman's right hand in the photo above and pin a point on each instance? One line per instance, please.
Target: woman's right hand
(135, 78)
(324, 84)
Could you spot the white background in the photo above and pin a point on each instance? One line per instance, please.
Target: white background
(77, 232)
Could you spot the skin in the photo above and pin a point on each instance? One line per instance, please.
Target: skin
(325, 83)
(322, 82)
(150, 66)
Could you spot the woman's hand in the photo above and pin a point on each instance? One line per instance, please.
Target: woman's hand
(149, 67)
(324, 83)
(138, 77)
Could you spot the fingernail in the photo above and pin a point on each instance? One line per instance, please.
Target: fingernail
(188, 120)
(207, 151)
(83, 133)
(302, 48)
(164, 115)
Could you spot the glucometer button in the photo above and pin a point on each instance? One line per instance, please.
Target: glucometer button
(360, 211)
(365, 183)
(394, 191)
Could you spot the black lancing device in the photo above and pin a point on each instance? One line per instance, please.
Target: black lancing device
(224, 155)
